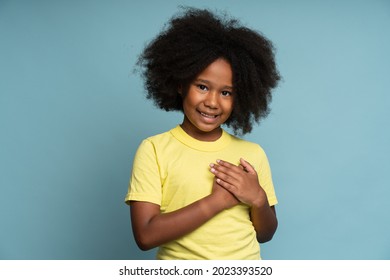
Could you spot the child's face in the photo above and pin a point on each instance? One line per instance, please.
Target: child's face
(209, 101)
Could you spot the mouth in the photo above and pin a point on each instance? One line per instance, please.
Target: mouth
(209, 116)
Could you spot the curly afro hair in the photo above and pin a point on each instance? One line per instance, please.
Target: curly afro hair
(194, 39)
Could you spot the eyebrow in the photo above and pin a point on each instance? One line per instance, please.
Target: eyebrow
(208, 82)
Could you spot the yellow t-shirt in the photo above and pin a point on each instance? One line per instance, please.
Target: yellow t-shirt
(172, 170)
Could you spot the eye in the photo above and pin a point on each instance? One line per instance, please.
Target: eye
(226, 93)
(202, 87)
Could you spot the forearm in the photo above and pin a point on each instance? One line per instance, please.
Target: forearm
(161, 228)
(242, 181)
(265, 222)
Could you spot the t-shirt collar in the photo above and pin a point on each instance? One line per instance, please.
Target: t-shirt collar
(206, 146)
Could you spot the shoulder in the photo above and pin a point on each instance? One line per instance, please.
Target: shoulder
(157, 138)
(255, 147)
(156, 143)
(250, 151)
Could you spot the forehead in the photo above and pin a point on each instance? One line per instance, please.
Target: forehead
(218, 72)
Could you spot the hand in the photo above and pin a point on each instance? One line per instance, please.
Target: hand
(242, 181)
(224, 197)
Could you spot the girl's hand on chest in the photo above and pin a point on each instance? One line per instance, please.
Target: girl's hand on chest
(242, 181)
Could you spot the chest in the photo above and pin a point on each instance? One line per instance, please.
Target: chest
(186, 177)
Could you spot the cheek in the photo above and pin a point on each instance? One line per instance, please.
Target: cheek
(230, 112)
(189, 106)
(186, 102)
(191, 99)
(228, 106)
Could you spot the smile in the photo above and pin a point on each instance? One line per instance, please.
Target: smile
(208, 116)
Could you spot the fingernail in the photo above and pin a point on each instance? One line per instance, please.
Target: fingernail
(212, 170)
(211, 164)
(218, 160)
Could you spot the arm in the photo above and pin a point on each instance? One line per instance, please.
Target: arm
(151, 228)
(242, 181)
(265, 222)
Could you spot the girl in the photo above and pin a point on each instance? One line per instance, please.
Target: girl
(196, 191)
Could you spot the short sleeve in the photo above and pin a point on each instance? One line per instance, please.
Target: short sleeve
(265, 179)
(145, 181)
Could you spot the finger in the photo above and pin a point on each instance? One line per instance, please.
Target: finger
(228, 175)
(225, 175)
(229, 187)
(227, 167)
(247, 166)
(225, 163)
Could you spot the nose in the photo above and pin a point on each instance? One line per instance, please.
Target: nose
(211, 100)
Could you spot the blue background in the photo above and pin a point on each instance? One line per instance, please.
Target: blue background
(72, 114)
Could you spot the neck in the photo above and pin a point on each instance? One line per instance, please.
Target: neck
(207, 136)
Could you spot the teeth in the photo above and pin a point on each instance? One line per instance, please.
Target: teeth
(208, 116)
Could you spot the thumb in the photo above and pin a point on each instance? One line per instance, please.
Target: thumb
(247, 166)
